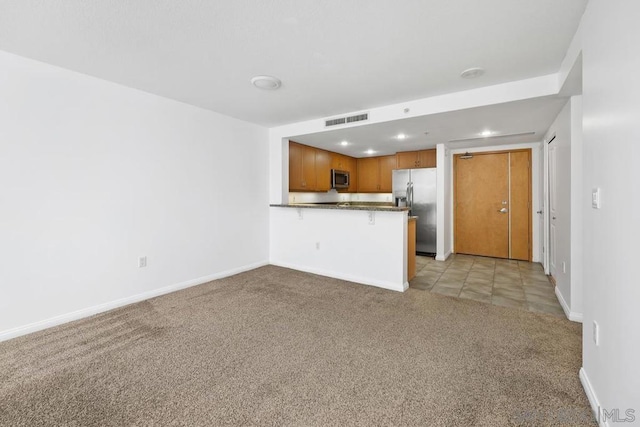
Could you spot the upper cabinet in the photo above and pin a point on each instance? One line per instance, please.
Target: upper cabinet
(309, 168)
(323, 170)
(416, 159)
(349, 164)
(296, 174)
(374, 174)
(387, 165)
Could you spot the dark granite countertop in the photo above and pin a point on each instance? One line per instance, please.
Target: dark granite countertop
(354, 206)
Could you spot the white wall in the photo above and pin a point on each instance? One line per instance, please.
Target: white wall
(611, 105)
(94, 175)
(577, 200)
(443, 206)
(536, 183)
(343, 244)
(561, 129)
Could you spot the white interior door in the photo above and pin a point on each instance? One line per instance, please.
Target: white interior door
(553, 206)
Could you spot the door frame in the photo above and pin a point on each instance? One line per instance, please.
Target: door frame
(455, 191)
(546, 204)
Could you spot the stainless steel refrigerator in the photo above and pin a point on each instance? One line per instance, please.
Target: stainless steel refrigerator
(417, 188)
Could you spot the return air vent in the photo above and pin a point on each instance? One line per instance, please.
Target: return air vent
(346, 120)
(358, 118)
(334, 122)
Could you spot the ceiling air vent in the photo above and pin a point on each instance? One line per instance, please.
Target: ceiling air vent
(334, 122)
(346, 120)
(358, 118)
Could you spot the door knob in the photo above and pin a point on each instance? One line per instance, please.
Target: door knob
(503, 210)
(554, 217)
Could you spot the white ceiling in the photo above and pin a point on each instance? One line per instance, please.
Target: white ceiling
(333, 56)
(531, 115)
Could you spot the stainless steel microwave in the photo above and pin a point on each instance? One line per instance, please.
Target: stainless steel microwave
(339, 179)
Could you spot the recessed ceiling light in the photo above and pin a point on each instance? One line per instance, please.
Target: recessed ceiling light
(370, 151)
(401, 136)
(486, 133)
(472, 73)
(266, 82)
(344, 143)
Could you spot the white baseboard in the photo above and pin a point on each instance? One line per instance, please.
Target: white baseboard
(571, 315)
(400, 287)
(591, 396)
(443, 257)
(90, 311)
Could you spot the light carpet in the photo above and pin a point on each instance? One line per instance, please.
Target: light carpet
(274, 346)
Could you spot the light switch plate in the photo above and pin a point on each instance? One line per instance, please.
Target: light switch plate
(595, 198)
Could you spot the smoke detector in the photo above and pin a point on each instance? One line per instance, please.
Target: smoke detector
(266, 82)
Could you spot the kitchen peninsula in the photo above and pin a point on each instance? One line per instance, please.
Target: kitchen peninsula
(363, 243)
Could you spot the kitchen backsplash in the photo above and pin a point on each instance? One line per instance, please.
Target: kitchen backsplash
(334, 196)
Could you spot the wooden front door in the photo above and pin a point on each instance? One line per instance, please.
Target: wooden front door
(482, 186)
(492, 204)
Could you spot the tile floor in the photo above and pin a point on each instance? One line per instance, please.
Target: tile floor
(508, 283)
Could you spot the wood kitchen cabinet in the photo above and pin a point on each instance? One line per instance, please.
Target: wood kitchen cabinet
(309, 168)
(352, 167)
(349, 164)
(339, 161)
(296, 179)
(416, 159)
(323, 170)
(374, 174)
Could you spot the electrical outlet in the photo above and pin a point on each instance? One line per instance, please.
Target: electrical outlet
(142, 262)
(372, 218)
(564, 267)
(318, 246)
(294, 199)
(596, 333)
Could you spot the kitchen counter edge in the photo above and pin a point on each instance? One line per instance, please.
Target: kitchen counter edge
(352, 208)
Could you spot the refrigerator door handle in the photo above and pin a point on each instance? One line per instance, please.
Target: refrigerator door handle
(410, 197)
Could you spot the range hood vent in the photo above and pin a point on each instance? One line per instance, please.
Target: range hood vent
(346, 120)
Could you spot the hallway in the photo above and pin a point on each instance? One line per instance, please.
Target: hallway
(502, 282)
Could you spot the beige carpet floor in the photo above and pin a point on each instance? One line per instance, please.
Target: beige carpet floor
(279, 347)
